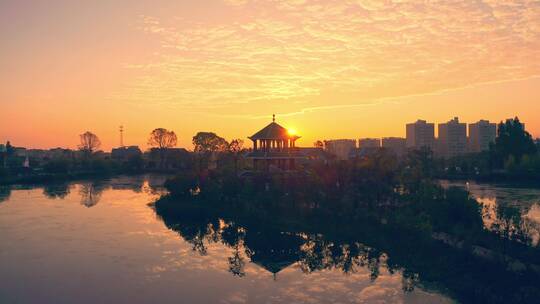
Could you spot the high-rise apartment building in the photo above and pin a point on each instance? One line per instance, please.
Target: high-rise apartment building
(420, 134)
(452, 138)
(481, 135)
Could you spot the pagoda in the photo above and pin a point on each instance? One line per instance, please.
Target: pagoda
(274, 149)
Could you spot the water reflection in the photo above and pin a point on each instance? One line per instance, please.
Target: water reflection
(275, 250)
(132, 256)
(56, 190)
(511, 212)
(90, 191)
(317, 245)
(5, 193)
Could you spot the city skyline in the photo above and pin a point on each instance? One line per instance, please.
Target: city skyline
(430, 137)
(226, 66)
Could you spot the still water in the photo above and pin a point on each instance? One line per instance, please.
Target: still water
(513, 212)
(102, 242)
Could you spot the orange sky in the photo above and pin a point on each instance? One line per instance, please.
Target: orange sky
(329, 69)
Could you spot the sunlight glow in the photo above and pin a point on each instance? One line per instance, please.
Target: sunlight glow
(292, 131)
(226, 65)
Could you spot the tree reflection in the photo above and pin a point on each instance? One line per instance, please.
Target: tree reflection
(237, 263)
(91, 193)
(5, 193)
(409, 281)
(272, 249)
(58, 190)
(510, 222)
(311, 244)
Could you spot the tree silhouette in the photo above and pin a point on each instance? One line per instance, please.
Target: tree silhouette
(513, 140)
(9, 149)
(162, 139)
(89, 142)
(318, 144)
(5, 193)
(209, 142)
(54, 190)
(235, 147)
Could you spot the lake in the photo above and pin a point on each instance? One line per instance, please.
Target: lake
(514, 212)
(104, 242)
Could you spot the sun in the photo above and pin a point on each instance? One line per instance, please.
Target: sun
(292, 131)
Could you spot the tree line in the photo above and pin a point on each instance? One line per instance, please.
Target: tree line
(88, 158)
(513, 156)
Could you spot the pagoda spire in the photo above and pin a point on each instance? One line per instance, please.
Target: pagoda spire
(273, 117)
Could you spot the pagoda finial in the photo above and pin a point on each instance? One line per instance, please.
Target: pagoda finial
(273, 117)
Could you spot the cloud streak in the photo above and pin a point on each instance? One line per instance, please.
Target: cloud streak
(361, 51)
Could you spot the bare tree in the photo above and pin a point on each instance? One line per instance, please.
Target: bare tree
(89, 142)
(318, 144)
(162, 139)
(90, 194)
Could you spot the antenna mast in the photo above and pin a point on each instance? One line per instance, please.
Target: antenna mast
(121, 136)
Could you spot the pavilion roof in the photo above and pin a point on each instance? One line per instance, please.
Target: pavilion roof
(273, 131)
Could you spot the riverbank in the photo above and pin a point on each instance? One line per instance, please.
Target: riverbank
(46, 178)
(41, 178)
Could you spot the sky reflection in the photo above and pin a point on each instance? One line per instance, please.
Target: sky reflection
(53, 247)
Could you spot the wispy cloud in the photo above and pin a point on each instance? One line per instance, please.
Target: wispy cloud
(366, 50)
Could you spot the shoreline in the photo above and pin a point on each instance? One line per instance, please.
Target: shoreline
(57, 178)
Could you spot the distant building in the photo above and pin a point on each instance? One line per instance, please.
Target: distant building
(274, 149)
(420, 134)
(169, 158)
(313, 153)
(367, 146)
(126, 153)
(452, 138)
(59, 153)
(3, 156)
(100, 154)
(481, 135)
(20, 152)
(397, 145)
(341, 148)
(369, 143)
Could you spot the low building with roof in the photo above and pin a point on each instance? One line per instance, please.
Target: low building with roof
(125, 152)
(341, 148)
(3, 155)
